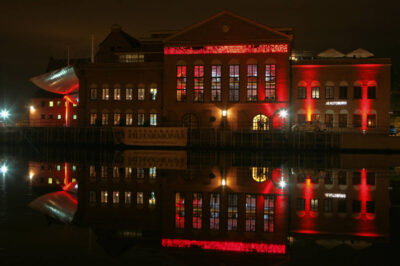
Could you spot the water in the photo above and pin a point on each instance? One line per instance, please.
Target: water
(196, 208)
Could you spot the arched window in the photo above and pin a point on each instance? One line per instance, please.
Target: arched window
(260, 123)
(190, 121)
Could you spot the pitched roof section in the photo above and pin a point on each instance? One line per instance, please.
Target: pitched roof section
(331, 53)
(360, 53)
(226, 28)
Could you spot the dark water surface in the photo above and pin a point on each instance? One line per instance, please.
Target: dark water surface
(61, 207)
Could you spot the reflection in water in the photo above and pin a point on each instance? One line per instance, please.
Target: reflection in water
(179, 200)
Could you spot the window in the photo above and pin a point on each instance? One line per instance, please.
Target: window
(59, 117)
(129, 94)
(342, 178)
(356, 178)
(115, 197)
(197, 210)
(50, 116)
(328, 205)
(370, 206)
(232, 212)
(357, 93)
(153, 172)
(250, 211)
(371, 178)
(153, 120)
(104, 196)
(139, 198)
(117, 94)
(59, 102)
(329, 120)
(129, 119)
(50, 180)
(270, 82)
(74, 117)
(314, 205)
(301, 204)
(58, 167)
(198, 93)
(315, 117)
(140, 94)
(131, 58)
(357, 120)
(153, 94)
(104, 119)
(269, 213)
(356, 206)
(128, 172)
(115, 172)
(181, 83)
(234, 85)
(215, 83)
(92, 171)
(328, 178)
(372, 92)
(152, 199)
(103, 171)
(92, 196)
(128, 197)
(179, 210)
(301, 118)
(43, 104)
(342, 92)
(140, 119)
(302, 92)
(329, 90)
(260, 122)
(371, 121)
(315, 92)
(342, 205)
(140, 173)
(342, 120)
(105, 94)
(252, 83)
(214, 211)
(51, 103)
(93, 118)
(301, 178)
(117, 119)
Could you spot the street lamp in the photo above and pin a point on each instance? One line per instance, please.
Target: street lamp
(3, 169)
(283, 113)
(4, 113)
(32, 109)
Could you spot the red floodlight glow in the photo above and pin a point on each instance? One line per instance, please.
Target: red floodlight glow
(225, 246)
(229, 49)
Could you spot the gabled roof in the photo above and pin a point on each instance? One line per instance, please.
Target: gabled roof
(331, 53)
(117, 34)
(360, 53)
(225, 33)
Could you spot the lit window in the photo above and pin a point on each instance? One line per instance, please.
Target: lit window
(315, 92)
(315, 117)
(357, 121)
(269, 213)
(152, 199)
(372, 92)
(197, 210)
(115, 197)
(92, 196)
(58, 116)
(58, 167)
(141, 93)
(250, 212)
(117, 94)
(234, 79)
(198, 84)
(270, 82)
(128, 197)
(104, 119)
(103, 171)
(74, 117)
(314, 205)
(329, 92)
(103, 196)
(93, 118)
(129, 119)
(371, 121)
(232, 212)
(74, 105)
(50, 180)
(215, 83)
(260, 122)
(179, 210)
(117, 119)
(74, 168)
(252, 83)
(115, 172)
(140, 173)
(131, 58)
(214, 211)
(105, 94)
(93, 94)
(140, 118)
(153, 172)
(302, 92)
(129, 94)
(92, 171)
(153, 94)
(128, 172)
(153, 119)
(181, 83)
(58, 103)
(51, 103)
(357, 93)
(139, 198)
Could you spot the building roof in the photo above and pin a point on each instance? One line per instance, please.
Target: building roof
(360, 53)
(331, 53)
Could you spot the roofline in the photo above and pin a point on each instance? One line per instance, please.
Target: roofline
(220, 14)
(342, 61)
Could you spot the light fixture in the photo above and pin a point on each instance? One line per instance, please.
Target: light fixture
(283, 113)
(224, 113)
(32, 109)
(31, 174)
(282, 184)
(4, 113)
(3, 169)
(223, 182)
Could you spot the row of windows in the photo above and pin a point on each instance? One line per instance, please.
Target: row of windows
(119, 197)
(328, 205)
(234, 83)
(59, 116)
(343, 120)
(119, 119)
(126, 172)
(106, 94)
(51, 104)
(329, 92)
(58, 167)
(341, 178)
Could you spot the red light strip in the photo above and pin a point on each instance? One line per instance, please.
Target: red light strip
(225, 246)
(229, 49)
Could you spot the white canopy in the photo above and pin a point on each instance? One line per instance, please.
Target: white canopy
(331, 53)
(360, 53)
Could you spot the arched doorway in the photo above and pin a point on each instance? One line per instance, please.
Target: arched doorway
(260, 123)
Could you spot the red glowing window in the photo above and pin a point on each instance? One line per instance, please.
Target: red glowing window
(179, 210)
(270, 82)
(181, 83)
(232, 212)
(214, 211)
(252, 83)
(197, 210)
(250, 212)
(269, 213)
(198, 95)
(234, 79)
(228, 49)
(215, 83)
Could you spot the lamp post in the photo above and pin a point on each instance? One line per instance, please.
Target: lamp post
(283, 114)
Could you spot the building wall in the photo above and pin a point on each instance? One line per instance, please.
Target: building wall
(41, 114)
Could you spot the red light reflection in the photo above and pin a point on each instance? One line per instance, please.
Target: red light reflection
(229, 49)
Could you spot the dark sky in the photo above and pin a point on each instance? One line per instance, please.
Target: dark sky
(33, 30)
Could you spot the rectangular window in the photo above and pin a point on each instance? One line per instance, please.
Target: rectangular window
(140, 119)
(59, 102)
(300, 204)
(370, 206)
(328, 205)
(115, 197)
(128, 197)
(117, 94)
(252, 95)
(372, 92)
(234, 80)
(181, 83)
(139, 198)
(117, 119)
(93, 118)
(315, 117)
(342, 205)
(129, 94)
(103, 171)
(92, 171)
(115, 172)
(315, 92)
(215, 83)
(302, 92)
(301, 118)
(129, 119)
(43, 116)
(357, 121)
(342, 178)
(342, 120)
(140, 173)
(329, 120)
(74, 117)
(153, 120)
(105, 94)
(214, 211)
(92, 196)
(51, 103)
(153, 94)
(59, 117)
(270, 82)
(232, 212)
(356, 178)
(356, 206)
(357, 93)
(371, 178)
(328, 178)
(140, 95)
(197, 210)
(250, 211)
(131, 58)
(152, 199)
(152, 172)
(314, 205)
(128, 172)
(198, 93)
(371, 121)
(342, 92)
(104, 119)
(269, 213)
(329, 92)
(179, 210)
(50, 116)
(104, 196)
(93, 95)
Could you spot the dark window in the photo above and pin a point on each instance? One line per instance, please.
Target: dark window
(50, 116)
(301, 204)
(342, 205)
(328, 205)
(329, 92)
(198, 95)
(43, 104)
(357, 93)
(371, 178)
(93, 94)
(356, 178)
(371, 121)
(302, 92)
(42, 116)
(356, 206)
(234, 83)
(342, 178)
(181, 83)
(301, 119)
(215, 83)
(252, 95)
(370, 206)
(371, 92)
(342, 120)
(328, 178)
(270, 82)
(315, 92)
(329, 120)
(357, 120)
(342, 92)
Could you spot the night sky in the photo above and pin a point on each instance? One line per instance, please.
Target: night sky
(33, 30)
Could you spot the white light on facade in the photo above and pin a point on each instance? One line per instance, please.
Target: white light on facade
(282, 184)
(336, 103)
(224, 113)
(32, 109)
(223, 182)
(4, 113)
(3, 169)
(283, 113)
(335, 195)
